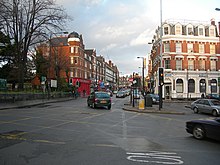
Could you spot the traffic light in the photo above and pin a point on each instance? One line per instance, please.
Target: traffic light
(161, 76)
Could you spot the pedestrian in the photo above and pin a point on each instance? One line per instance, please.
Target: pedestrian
(202, 96)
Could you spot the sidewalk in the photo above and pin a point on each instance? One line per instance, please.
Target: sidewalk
(154, 109)
(28, 103)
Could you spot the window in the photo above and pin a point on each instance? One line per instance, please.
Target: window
(212, 32)
(71, 60)
(213, 65)
(190, 31)
(178, 64)
(212, 49)
(189, 47)
(166, 30)
(202, 86)
(201, 32)
(201, 48)
(178, 29)
(201, 64)
(167, 47)
(167, 63)
(191, 64)
(191, 86)
(213, 86)
(75, 60)
(178, 47)
(71, 49)
(179, 86)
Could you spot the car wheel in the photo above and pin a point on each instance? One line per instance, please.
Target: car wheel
(88, 104)
(109, 107)
(195, 110)
(198, 132)
(214, 113)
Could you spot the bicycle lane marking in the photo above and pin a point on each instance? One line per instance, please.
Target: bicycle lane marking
(156, 157)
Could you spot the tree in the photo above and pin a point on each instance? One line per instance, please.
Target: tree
(28, 22)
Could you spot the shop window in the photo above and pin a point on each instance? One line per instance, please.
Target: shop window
(179, 86)
(202, 86)
(191, 86)
(213, 86)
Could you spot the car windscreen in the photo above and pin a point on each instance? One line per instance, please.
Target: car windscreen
(215, 102)
(102, 95)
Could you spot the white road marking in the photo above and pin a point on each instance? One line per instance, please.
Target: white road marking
(156, 157)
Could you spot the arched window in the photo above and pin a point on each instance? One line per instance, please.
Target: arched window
(202, 86)
(213, 86)
(191, 86)
(179, 86)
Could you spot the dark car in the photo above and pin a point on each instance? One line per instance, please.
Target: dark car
(99, 99)
(207, 128)
(210, 106)
(120, 94)
(155, 98)
(212, 96)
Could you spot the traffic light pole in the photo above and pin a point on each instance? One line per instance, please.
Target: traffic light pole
(160, 97)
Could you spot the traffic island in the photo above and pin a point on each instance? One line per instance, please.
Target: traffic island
(153, 109)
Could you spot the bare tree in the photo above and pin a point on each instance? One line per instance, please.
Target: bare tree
(28, 22)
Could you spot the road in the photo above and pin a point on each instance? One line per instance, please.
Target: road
(72, 133)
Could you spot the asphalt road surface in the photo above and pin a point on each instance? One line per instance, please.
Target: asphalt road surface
(71, 133)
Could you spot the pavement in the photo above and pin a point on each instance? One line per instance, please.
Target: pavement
(167, 108)
(29, 103)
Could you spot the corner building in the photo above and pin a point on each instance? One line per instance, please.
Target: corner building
(190, 58)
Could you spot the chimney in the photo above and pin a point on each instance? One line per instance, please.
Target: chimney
(213, 21)
(219, 28)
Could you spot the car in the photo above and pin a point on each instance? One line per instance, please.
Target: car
(120, 94)
(209, 106)
(155, 98)
(204, 128)
(99, 99)
(213, 96)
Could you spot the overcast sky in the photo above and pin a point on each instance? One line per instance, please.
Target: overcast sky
(120, 30)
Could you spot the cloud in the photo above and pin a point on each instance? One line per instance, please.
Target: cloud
(143, 38)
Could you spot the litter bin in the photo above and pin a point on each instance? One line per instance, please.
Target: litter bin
(148, 101)
(141, 103)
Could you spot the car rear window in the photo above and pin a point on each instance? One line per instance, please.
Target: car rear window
(216, 102)
(102, 95)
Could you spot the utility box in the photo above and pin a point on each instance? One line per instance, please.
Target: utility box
(148, 101)
(141, 103)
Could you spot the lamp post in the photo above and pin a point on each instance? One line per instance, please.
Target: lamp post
(142, 74)
(217, 9)
(161, 46)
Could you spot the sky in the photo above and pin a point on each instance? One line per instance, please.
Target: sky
(120, 30)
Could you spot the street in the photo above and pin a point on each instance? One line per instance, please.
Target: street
(70, 132)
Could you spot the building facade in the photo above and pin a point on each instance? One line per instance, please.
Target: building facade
(190, 58)
(80, 67)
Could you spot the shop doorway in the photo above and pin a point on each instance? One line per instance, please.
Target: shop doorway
(167, 93)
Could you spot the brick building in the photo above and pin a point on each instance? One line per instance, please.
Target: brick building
(190, 58)
(79, 66)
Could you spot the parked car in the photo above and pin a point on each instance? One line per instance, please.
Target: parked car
(213, 96)
(120, 94)
(155, 98)
(99, 99)
(200, 129)
(209, 106)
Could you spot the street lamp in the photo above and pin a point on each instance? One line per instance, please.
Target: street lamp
(143, 59)
(161, 46)
(217, 9)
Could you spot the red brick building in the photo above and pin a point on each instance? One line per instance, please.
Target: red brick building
(190, 58)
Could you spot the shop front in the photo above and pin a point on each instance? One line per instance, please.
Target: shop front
(82, 86)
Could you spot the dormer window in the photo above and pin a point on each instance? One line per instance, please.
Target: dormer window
(178, 29)
(166, 30)
(212, 31)
(201, 30)
(190, 30)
